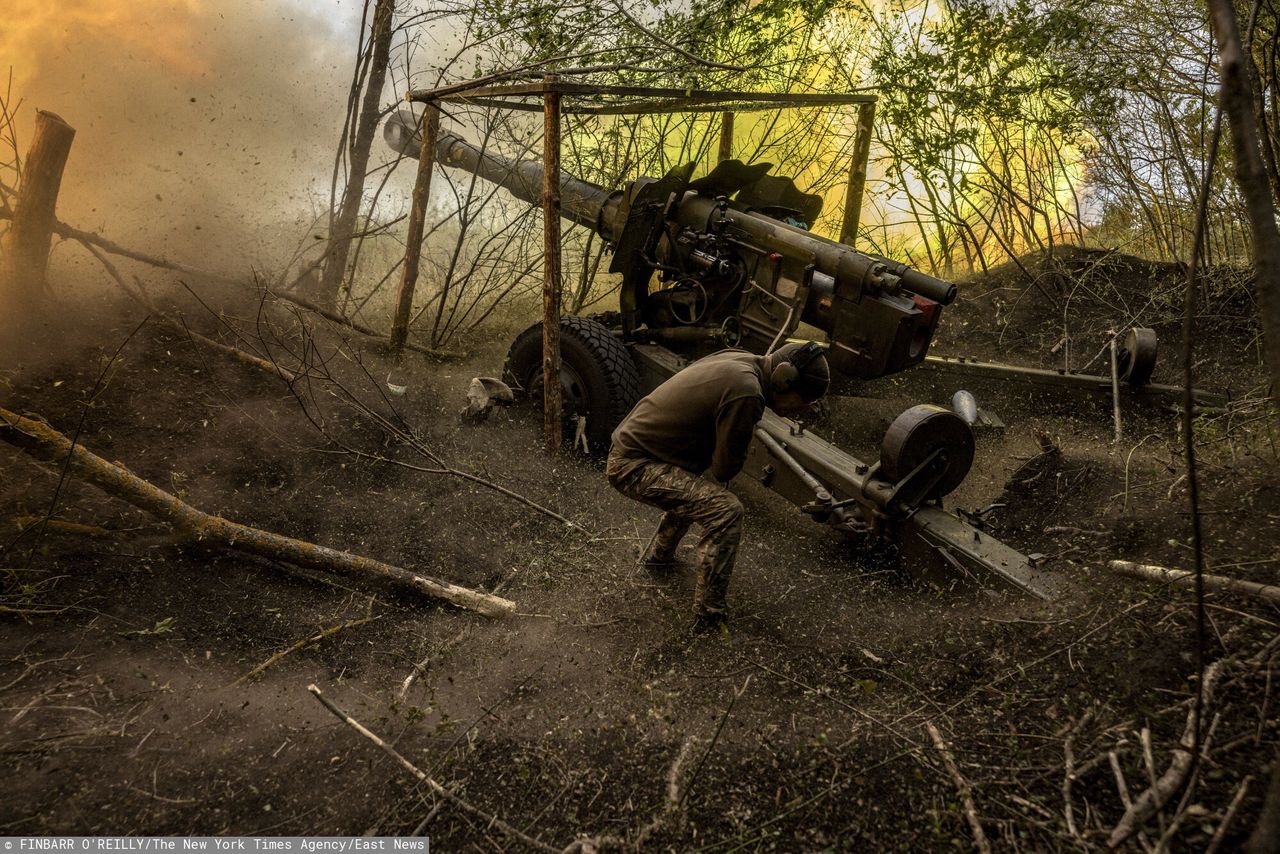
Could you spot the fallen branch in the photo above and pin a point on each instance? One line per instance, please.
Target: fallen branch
(138, 296)
(489, 819)
(62, 526)
(305, 642)
(42, 442)
(1149, 802)
(1070, 773)
(1184, 578)
(356, 325)
(111, 247)
(966, 792)
(679, 782)
(1221, 832)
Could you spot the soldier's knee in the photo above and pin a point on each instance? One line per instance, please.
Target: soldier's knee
(728, 511)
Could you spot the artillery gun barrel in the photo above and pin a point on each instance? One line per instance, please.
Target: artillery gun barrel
(580, 201)
(866, 303)
(833, 259)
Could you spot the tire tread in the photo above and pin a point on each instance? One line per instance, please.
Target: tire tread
(621, 376)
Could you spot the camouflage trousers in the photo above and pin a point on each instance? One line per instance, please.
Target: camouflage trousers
(686, 499)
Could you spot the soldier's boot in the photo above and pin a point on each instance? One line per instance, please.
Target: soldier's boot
(660, 555)
(717, 553)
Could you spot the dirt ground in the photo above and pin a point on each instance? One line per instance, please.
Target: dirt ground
(595, 712)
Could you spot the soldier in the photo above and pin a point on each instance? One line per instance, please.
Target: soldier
(702, 421)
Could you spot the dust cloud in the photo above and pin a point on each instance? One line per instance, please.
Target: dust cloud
(205, 129)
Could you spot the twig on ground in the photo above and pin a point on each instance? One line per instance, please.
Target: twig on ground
(1122, 785)
(31, 612)
(422, 825)
(966, 792)
(305, 642)
(679, 783)
(1221, 832)
(1149, 760)
(849, 706)
(31, 668)
(1067, 529)
(733, 701)
(678, 788)
(63, 526)
(1154, 798)
(1069, 773)
(489, 819)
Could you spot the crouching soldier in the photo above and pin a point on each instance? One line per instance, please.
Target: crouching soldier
(679, 447)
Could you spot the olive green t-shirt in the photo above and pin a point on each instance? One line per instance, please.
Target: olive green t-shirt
(702, 418)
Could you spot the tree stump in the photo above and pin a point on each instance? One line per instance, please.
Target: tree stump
(24, 253)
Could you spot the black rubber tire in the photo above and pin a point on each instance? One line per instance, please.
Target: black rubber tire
(1137, 356)
(599, 376)
(917, 433)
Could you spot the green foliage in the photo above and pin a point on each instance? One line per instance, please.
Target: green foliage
(984, 114)
(1003, 126)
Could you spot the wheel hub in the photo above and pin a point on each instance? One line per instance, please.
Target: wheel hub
(573, 391)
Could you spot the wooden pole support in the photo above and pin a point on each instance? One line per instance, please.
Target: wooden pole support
(726, 135)
(417, 217)
(551, 405)
(25, 255)
(858, 173)
(1115, 385)
(1186, 578)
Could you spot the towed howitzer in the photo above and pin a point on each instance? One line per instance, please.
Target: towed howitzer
(735, 257)
(734, 264)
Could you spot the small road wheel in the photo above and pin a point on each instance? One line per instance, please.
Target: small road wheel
(917, 433)
(1136, 357)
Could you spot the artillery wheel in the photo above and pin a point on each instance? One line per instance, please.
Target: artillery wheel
(1136, 357)
(598, 377)
(917, 433)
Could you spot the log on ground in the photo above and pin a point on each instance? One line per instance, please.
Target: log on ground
(39, 440)
(1186, 578)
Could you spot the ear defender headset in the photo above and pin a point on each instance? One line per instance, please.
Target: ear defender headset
(787, 373)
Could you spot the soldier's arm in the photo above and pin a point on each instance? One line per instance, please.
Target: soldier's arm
(735, 425)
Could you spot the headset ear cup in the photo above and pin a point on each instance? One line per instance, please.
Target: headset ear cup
(784, 376)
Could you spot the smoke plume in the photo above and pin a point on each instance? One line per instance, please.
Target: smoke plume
(205, 129)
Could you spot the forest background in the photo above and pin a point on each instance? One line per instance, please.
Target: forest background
(1002, 129)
